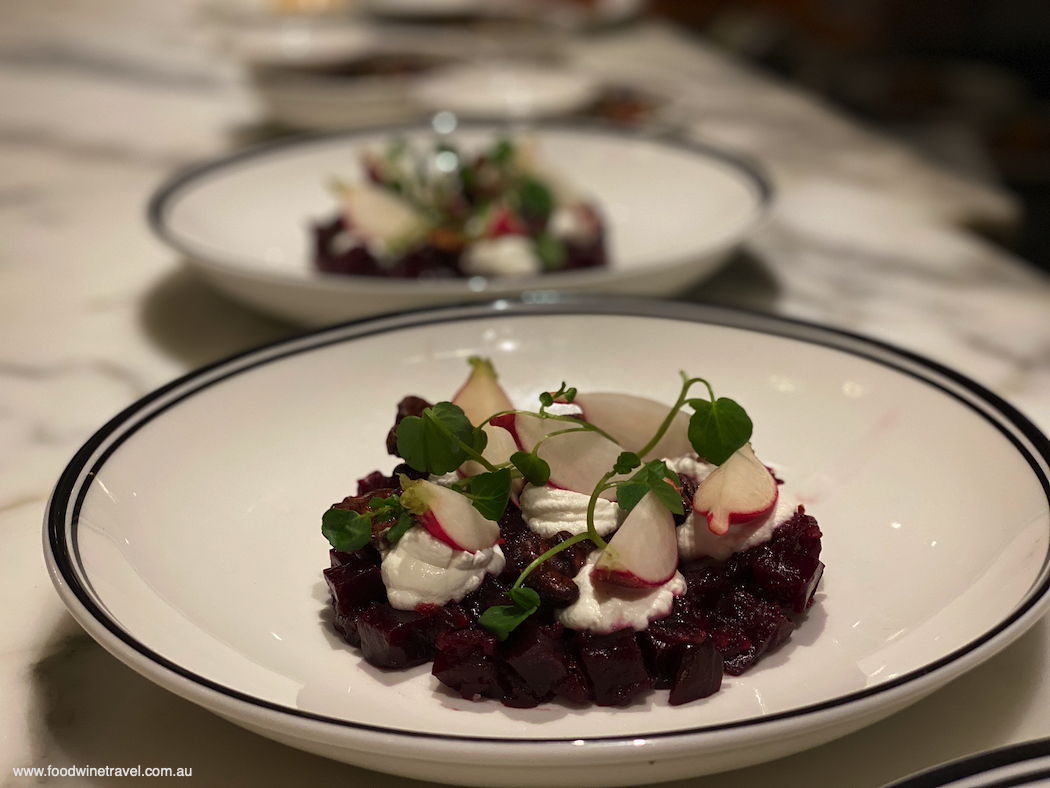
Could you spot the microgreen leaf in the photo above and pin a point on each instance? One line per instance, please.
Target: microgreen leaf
(534, 468)
(345, 530)
(501, 620)
(502, 151)
(524, 597)
(564, 394)
(432, 441)
(385, 508)
(627, 462)
(404, 521)
(551, 250)
(480, 440)
(535, 199)
(629, 494)
(717, 429)
(653, 478)
(489, 492)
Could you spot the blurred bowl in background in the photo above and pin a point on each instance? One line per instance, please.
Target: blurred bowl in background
(673, 211)
(504, 89)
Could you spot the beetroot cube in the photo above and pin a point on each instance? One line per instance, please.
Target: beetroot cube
(790, 578)
(614, 665)
(376, 481)
(574, 687)
(354, 585)
(800, 534)
(394, 638)
(465, 662)
(338, 558)
(705, 585)
(512, 690)
(663, 644)
(535, 653)
(756, 626)
(443, 618)
(699, 673)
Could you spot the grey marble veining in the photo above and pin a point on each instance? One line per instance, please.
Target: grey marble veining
(101, 100)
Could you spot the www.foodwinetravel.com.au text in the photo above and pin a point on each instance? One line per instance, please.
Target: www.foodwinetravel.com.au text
(103, 771)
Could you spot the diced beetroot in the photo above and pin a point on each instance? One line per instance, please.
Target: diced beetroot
(535, 652)
(614, 665)
(354, 586)
(754, 626)
(790, 579)
(338, 557)
(355, 583)
(663, 644)
(800, 534)
(733, 612)
(705, 584)
(699, 673)
(512, 690)
(512, 525)
(394, 638)
(465, 661)
(574, 687)
(491, 593)
(376, 481)
(444, 618)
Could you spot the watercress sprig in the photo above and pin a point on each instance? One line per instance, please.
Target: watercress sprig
(348, 531)
(441, 439)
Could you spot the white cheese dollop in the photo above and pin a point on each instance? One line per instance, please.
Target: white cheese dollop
(507, 255)
(445, 480)
(421, 569)
(695, 539)
(548, 510)
(572, 223)
(603, 607)
(689, 464)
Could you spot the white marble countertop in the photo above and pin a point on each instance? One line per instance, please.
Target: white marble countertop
(100, 101)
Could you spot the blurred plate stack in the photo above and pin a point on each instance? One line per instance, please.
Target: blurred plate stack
(393, 61)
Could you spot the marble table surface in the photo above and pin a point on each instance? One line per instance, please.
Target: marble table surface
(100, 101)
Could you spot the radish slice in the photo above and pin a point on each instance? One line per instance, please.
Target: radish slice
(633, 421)
(738, 490)
(578, 460)
(644, 551)
(449, 516)
(482, 396)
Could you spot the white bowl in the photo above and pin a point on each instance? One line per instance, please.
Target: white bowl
(1026, 764)
(674, 211)
(505, 89)
(184, 536)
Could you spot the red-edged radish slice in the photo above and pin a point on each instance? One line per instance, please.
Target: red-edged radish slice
(632, 421)
(643, 552)
(738, 490)
(449, 516)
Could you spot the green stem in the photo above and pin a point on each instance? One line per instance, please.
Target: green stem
(468, 449)
(556, 417)
(666, 425)
(474, 455)
(592, 531)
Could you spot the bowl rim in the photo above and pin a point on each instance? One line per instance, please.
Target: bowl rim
(952, 772)
(61, 556)
(166, 196)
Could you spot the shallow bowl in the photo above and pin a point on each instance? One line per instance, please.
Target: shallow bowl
(673, 212)
(185, 537)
